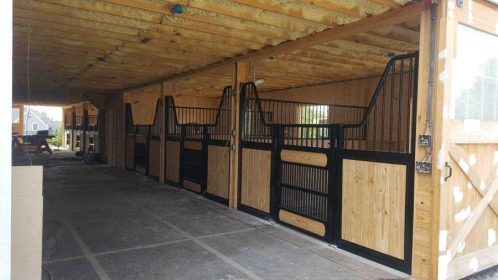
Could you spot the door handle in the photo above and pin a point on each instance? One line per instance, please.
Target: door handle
(451, 171)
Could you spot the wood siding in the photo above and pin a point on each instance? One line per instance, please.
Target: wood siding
(373, 205)
(172, 161)
(143, 104)
(307, 224)
(256, 169)
(218, 170)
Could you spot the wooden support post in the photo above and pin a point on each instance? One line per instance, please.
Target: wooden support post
(426, 206)
(239, 76)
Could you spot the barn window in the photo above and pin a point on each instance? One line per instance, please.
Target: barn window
(475, 80)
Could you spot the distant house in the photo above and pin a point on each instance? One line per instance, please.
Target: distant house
(35, 121)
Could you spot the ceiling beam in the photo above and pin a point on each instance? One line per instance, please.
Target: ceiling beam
(389, 18)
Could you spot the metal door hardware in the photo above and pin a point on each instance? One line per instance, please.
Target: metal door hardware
(451, 171)
(423, 167)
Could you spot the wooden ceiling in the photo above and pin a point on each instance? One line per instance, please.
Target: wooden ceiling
(76, 47)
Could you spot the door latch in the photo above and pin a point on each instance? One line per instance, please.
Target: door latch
(450, 171)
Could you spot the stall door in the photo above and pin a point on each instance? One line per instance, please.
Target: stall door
(193, 158)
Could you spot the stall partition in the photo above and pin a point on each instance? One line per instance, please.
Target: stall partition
(341, 173)
(82, 130)
(143, 143)
(198, 147)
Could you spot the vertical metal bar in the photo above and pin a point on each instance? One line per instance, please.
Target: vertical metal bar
(402, 65)
(409, 100)
(393, 71)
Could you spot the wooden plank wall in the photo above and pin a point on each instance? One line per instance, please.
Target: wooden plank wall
(481, 242)
(373, 205)
(78, 110)
(468, 212)
(218, 170)
(255, 187)
(355, 92)
(172, 161)
(115, 130)
(143, 104)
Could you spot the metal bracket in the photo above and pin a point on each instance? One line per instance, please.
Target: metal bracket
(423, 167)
(451, 171)
(425, 140)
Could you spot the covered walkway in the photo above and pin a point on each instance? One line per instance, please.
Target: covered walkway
(104, 223)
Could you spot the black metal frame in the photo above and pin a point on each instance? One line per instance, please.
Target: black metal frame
(332, 139)
(199, 127)
(149, 132)
(81, 127)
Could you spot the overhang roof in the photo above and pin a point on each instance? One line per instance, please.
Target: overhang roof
(87, 46)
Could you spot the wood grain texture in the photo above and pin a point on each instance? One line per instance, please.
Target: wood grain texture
(373, 202)
(302, 222)
(255, 189)
(143, 103)
(218, 170)
(310, 158)
(172, 161)
(460, 203)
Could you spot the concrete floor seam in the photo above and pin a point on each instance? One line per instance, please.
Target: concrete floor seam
(208, 248)
(88, 254)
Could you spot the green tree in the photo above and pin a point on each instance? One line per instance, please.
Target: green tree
(56, 141)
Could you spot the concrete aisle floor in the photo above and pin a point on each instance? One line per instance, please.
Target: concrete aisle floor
(104, 223)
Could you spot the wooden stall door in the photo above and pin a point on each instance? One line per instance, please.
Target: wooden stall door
(468, 159)
(255, 181)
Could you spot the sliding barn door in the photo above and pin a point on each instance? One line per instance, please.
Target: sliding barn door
(468, 240)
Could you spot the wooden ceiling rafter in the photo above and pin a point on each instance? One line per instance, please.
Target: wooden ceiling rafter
(120, 44)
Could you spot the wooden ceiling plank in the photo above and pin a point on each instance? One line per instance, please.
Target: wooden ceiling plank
(160, 31)
(212, 17)
(100, 9)
(300, 11)
(365, 25)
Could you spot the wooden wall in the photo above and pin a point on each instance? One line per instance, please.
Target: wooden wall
(373, 205)
(468, 201)
(172, 161)
(354, 92)
(143, 103)
(218, 170)
(255, 187)
(115, 130)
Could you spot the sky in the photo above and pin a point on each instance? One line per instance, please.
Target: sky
(55, 113)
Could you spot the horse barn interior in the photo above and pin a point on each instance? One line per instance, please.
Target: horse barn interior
(251, 139)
